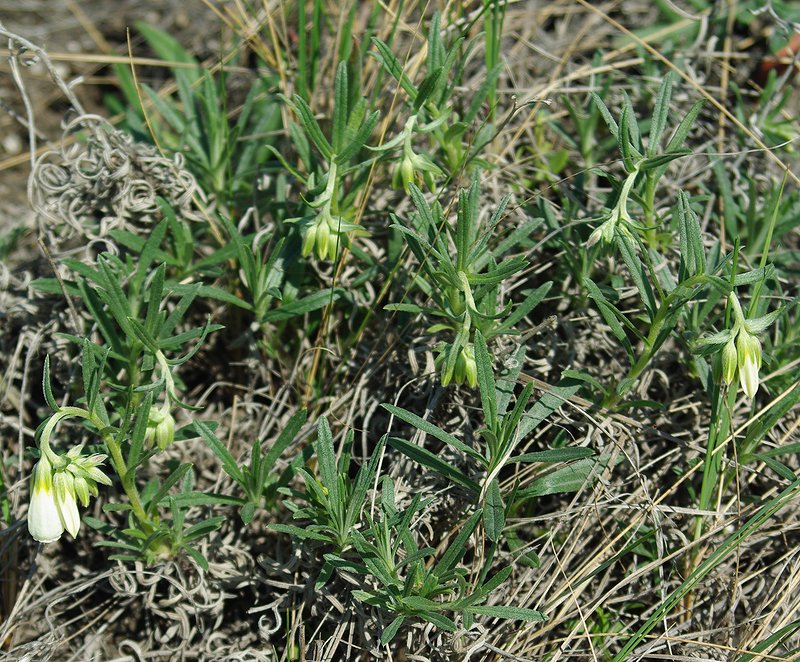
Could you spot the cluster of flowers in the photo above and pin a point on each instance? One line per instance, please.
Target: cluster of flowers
(742, 351)
(60, 482)
(57, 487)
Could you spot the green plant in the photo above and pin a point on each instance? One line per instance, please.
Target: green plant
(196, 122)
(334, 501)
(327, 227)
(432, 104)
(463, 284)
(409, 582)
(257, 480)
(504, 431)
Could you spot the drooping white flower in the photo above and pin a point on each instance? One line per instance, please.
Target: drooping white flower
(55, 493)
(44, 521)
(748, 350)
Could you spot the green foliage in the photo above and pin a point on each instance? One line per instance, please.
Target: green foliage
(504, 430)
(464, 284)
(194, 121)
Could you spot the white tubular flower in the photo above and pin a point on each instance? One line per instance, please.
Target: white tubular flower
(748, 350)
(44, 521)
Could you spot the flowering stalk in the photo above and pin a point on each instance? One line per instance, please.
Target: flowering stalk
(49, 491)
(327, 232)
(619, 219)
(742, 352)
(413, 167)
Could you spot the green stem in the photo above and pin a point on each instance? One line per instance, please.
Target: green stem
(652, 344)
(718, 429)
(765, 252)
(649, 208)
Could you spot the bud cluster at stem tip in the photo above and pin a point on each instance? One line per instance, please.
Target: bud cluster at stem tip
(160, 428)
(465, 369)
(742, 350)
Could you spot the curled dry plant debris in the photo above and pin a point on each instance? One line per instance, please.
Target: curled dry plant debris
(100, 180)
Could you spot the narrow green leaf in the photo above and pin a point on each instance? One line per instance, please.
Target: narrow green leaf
(309, 122)
(167, 485)
(359, 139)
(605, 114)
(326, 457)
(554, 455)
(303, 305)
(494, 512)
(391, 630)
(434, 463)
(486, 381)
(570, 478)
(340, 107)
(660, 114)
(429, 428)
(229, 464)
(457, 547)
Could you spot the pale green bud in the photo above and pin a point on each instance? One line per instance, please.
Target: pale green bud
(729, 361)
(323, 238)
(442, 361)
(160, 429)
(471, 367)
(460, 372)
(165, 432)
(309, 239)
(603, 233)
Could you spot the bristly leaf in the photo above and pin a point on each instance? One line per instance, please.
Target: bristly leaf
(340, 108)
(393, 66)
(47, 386)
(660, 114)
(435, 463)
(359, 139)
(326, 457)
(457, 547)
(309, 122)
(693, 258)
(605, 113)
(431, 429)
(494, 512)
(391, 630)
(486, 381)
(219, 449)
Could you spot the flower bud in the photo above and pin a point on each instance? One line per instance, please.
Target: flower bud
(471, 367)
(160, 429)
(323, 238)
(729, 361)
(460, 372)
(309, 239)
